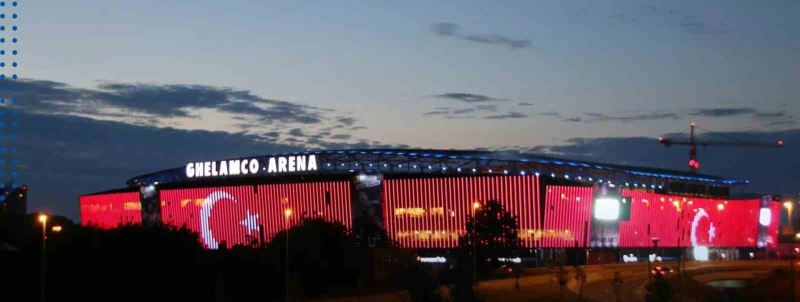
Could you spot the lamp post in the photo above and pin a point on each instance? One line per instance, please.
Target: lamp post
(789, 206)
(287, 214)
(794, 278)
(43, 264)
(792, 253)
(475, 207)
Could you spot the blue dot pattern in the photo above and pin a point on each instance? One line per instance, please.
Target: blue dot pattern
(9, 94)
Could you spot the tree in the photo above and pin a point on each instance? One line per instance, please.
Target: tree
(491, 233)
(463, 290)
(159, 262)
(322, 257)
(367, 233)
(421, 286)
(660, 290)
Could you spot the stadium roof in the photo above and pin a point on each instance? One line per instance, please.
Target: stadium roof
(448, 162)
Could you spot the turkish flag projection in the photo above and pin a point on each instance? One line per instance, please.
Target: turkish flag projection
(238, 214)
(433, 212)
(110, 210)
(687, 221)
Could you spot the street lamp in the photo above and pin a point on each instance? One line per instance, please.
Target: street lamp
(56, 229)
(43, 264)
(287, 214)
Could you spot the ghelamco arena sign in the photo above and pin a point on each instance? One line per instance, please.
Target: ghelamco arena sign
(252, 166)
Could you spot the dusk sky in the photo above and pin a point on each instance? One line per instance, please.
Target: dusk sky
(113, 89)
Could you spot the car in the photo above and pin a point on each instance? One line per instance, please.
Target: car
(661, 271)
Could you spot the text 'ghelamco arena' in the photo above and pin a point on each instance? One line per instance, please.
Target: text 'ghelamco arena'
(423, 199)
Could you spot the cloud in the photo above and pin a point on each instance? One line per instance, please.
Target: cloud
(446, 29)
(460, 117)
(510, 115)
(463, 111)
(468, 97)
(451, 113)
(773, 114)
(784, 122)
(721, 112)
(525, 104)
(436, 112)
(700, 27)
(341, 136)
(623, 18)
(602, 117)
(548, 114)
(157, 101)
(682, 21)
(347, 121)
(177, 100)
(771, 117)
(454, 31)
(498, 40)
(177, 106)
(488, 108)
(297, 132)
(272, 134)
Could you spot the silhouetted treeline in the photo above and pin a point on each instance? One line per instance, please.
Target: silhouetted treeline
(162, 263)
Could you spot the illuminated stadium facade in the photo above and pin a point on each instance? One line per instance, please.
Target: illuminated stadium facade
(424, 197)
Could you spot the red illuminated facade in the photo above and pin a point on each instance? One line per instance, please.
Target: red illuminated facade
(687, 221)
(568, 213)
(247, 214)
(110, 210)
(423, 199)
(432, 212)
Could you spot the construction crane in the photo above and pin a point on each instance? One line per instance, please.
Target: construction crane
(694, 142)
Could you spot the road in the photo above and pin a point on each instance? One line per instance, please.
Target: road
(599, 282)
(539, 284)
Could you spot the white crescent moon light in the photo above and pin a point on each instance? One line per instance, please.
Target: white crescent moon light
(205, 214)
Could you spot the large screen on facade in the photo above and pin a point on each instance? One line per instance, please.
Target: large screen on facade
(687, 221)
(432, 212)
(110, 210)
(252, 214)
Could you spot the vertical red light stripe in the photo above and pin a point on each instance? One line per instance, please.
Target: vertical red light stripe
(455, 195)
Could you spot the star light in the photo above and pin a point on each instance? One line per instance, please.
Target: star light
(250, 222)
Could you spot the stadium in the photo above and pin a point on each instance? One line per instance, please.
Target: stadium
(423, 198)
